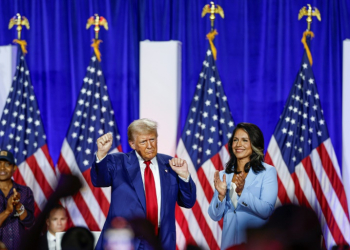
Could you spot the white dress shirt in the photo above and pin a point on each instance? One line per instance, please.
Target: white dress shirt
(233, 194)
(51, 240)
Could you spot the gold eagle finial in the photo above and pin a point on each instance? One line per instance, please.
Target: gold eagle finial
(309, 13)
(97, 21)
(212, 10)
(19, 21)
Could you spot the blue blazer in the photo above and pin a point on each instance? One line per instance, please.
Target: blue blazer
(254, 206)
(122, 172)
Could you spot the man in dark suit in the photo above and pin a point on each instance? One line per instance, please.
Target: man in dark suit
(144, 184)
(56, 221)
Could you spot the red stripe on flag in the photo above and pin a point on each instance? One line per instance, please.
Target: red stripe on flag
(79, 200)
(216, 160)
(62, 166)
(47, 155)
(183, 224)
(85, 212)
(39, 176)
(37, 211)
(327, 212)
(299, 193)
(207, 188)
(98, 193)
(206, 231)
(333, 176)
(282, 192)
(18, 178)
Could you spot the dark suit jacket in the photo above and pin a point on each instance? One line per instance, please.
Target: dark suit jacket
(122, 172)
(43, 244)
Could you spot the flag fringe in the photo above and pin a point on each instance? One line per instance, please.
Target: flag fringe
(23, 45)
(211, 35)
(307, 49)
(95, 44)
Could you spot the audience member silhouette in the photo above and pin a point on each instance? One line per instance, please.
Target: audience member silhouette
(77, 238)
(290, 227)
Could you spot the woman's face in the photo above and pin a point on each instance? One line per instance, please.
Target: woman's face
(241, 145)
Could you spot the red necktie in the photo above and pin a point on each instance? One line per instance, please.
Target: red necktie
(151, 197)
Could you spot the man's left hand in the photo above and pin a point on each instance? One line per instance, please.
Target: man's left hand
(180, 167)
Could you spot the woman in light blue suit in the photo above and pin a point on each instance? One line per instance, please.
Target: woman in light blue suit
(246, 191)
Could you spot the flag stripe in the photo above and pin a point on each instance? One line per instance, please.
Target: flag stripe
(335, 181)
(39, 176)
(299, 192)
(79, 200)
(282, 193)
(282, 170)
(337, 234)
(183, 228)
(312, 201)
(45, 163)
(98, 193)
(30, 180)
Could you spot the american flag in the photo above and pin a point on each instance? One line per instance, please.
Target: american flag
(307, 167)
(203, 145)
(93, 116)
(22, 133)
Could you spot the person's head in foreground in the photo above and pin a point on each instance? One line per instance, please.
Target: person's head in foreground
(77, 238)
(290, 227)
(56, 221)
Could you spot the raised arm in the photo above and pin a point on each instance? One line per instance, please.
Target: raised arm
(100, 175)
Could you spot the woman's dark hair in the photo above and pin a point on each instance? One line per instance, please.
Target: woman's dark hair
(256, 138)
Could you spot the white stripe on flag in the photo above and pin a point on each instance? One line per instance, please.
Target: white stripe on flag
(46, 168)
(224, 156)
(74, 213)
(30, 180)
(180, 238)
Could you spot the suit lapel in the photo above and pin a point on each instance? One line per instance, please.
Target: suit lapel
(133, 169)
(250, 178)
(164, 175)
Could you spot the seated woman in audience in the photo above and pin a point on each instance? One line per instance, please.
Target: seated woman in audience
(246, 191)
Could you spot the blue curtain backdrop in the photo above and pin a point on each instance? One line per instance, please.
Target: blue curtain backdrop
(259, 54)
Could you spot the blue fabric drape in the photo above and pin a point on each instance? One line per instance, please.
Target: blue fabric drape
(259, 53)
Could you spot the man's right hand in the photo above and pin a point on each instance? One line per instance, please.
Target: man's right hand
(104, 144)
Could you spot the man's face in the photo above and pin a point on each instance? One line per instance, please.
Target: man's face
(145, 145)
(6, 170)
(57, 221)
